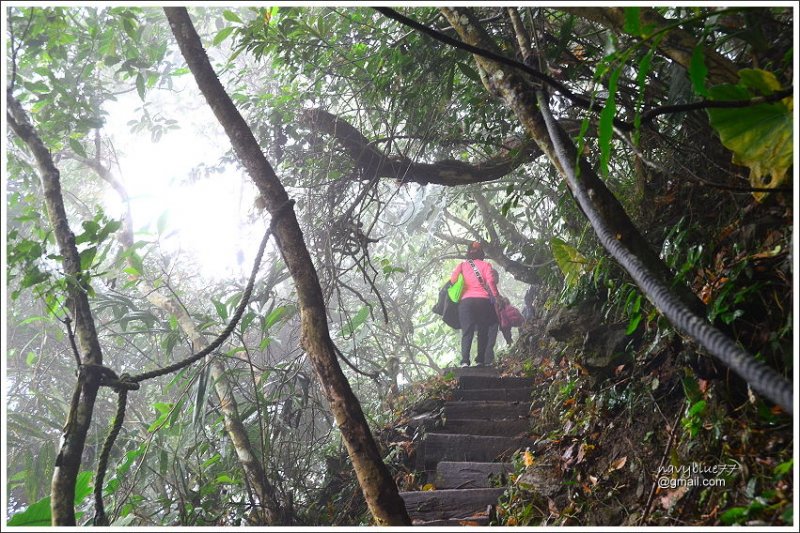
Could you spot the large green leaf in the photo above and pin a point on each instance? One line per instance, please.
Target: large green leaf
(698, 71)
(571, 262)
(37, 514)
(606, 127)
(759, 136)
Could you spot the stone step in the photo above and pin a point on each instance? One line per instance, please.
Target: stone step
(511, 427)
(486, 409)
(454, 447)
(489, 382)
(507, 395)
(472, 371)
(478, 520)
(464, 475)
(449, 504)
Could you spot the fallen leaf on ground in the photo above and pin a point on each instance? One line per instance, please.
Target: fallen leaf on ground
(619, 463)
(672, 497)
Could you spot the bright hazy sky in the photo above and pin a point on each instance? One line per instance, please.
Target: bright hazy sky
(207, 218)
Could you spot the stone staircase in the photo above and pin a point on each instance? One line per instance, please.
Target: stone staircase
(486, 421)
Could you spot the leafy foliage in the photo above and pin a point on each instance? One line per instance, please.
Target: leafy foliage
(382, 248)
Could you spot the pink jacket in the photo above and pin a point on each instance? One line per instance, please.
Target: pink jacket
(473, 287)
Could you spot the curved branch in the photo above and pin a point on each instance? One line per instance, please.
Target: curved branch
(448, 172)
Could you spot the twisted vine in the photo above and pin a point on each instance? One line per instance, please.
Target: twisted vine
(122, 384)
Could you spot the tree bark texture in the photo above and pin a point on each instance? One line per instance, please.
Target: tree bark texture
(68, 461)
(520, 97)
(378, 487)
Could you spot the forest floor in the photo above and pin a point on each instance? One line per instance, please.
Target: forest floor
(644, 442)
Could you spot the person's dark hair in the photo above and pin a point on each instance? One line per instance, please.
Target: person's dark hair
(475, 251)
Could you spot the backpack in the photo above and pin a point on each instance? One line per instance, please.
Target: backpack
(447, 308)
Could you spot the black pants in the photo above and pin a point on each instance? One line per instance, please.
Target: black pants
(489, 357)
(476, 315)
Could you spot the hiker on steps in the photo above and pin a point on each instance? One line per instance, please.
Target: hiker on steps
(476, 307)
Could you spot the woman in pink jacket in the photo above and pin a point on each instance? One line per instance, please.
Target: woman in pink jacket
(476, 308)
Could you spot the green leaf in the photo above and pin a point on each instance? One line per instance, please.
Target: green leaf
(164, 409)
(198, 416)
(641, 79)
(696, 409)
(691, 389)
(761, 82)
(633, 324)
(213, 460)
(698, 71)
(632, 25)
(356, 321)
(222, 311)
(468, 71)
(783, 468)
(83, 486)
(224, 478)
(734, 515)
(222, 35)
(247, 319)
(37, 514)
(759, 136)
(140, 85)
(572, 263)
(38, 87)
(129, 25)
(127, 462)
(230, 16)
(274, 316)
(77, 147)
(87, 257)
(108, 229)
(606, 127)
(31, 359)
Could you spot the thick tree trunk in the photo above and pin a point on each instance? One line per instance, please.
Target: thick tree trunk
(68, 462)
(377, 484)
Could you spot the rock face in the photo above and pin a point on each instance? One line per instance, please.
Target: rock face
(466, 459)
(570, 324)
(603, 345)
(604, 348)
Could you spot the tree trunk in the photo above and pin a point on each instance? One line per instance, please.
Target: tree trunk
(377, 484)
(68, 462)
